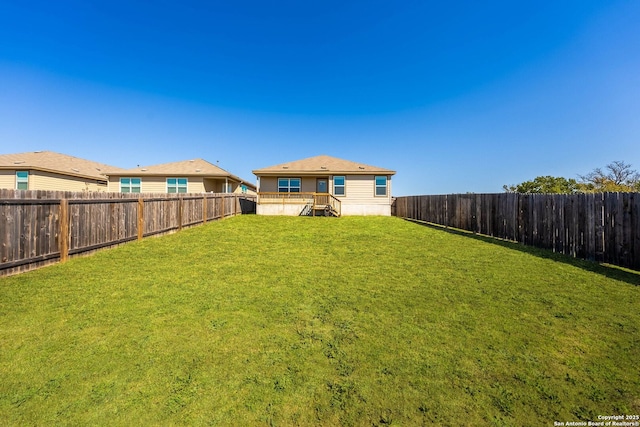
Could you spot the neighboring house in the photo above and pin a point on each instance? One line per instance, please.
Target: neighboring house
(189, 176)
(324, 185)
(46, 170)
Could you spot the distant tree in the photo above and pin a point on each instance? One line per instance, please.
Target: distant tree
(545, 184)
(617, 176)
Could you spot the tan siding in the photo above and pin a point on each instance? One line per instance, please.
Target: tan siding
(195, 185)
(270, 183)
(360, 198)
(148, 184)
(39, 180)
(153, 184)
(308, 184)
(157, 184)
(114, 184)
(8, 179)
(217, 185)
(360, 189)
(212, 186)
(98, 186)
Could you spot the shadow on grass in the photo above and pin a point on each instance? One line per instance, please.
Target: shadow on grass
(612, 272)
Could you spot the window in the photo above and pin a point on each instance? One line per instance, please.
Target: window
(227, 187)
(289, 185)
(22, 180)
(381, 185)
(130, 185)
(338, 186)
(176, 185)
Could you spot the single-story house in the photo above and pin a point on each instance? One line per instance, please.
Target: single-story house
(324, 185)
(47, 170)
(189, 176)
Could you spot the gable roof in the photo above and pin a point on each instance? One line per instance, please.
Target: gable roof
(322, 164)
(49, 161)
(195, 167)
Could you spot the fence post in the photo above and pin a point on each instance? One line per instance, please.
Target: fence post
(446, 211)
(140, 218)
(180, 213)
(223, 212)
(64, 230)
(204, 208)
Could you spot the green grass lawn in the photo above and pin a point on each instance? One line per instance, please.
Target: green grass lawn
(319, 321)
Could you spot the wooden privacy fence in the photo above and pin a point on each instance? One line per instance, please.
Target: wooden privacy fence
(41, 227)
(604, 227)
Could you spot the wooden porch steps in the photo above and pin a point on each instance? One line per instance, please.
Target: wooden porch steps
(319, 210)
(324, 210)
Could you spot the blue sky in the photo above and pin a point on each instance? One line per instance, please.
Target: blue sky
(455, 96)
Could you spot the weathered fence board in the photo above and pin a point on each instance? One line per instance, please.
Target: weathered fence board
(604, 227)
(41, 227)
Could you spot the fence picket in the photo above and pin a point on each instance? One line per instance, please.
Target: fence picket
(604, 227)
(41, 227)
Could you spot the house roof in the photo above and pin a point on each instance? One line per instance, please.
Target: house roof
(195, 167)
(322, 164)
(49, 161)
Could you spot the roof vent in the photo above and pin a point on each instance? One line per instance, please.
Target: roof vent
(285, 167)
(144, 169)
(198, 170)
(75, 170)
(323, 167)
(360, 167)
(19, 162)
(191, 161)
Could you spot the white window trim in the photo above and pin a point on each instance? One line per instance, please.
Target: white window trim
(20, 180)
(376, 186)
(178, 186)
(289, 185)
(130, 185)
(344, 186)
